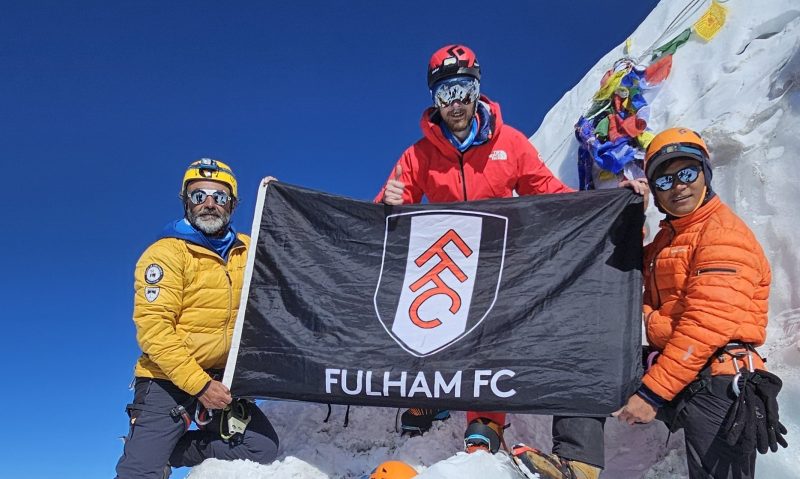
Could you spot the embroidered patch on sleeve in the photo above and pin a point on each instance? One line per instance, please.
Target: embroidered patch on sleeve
(151, 293)
(153, 274)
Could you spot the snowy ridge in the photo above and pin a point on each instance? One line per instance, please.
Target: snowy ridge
(741, 91)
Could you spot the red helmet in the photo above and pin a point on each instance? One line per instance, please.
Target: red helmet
(452, 60)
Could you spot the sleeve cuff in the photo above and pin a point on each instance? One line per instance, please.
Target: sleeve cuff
(654, 399)
(202, 391)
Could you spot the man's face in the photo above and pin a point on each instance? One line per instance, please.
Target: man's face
(208, 217)
(687, 187)
(458, 116)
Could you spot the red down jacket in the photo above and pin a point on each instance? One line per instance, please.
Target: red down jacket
(507, 161)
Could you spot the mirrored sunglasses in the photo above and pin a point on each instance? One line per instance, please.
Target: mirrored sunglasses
(462, 89)
(198, 196)
(686, 176)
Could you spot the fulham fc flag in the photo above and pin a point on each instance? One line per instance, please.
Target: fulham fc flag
(529, 304)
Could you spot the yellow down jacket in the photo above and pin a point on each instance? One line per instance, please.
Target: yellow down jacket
(185, 307)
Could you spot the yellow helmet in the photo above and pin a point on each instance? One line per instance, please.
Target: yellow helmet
(212, 170)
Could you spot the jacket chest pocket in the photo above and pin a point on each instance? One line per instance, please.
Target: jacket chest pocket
(499, 176)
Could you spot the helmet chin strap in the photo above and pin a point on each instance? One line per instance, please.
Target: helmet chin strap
(699, 204)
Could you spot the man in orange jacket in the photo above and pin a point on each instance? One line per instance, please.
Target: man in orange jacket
(467, 153)
(705, 307)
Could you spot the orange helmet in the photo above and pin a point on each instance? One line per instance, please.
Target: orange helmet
(450, 61)
(393, 470)
(675, 143)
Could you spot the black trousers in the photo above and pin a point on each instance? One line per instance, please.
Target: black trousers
(701, 417)
(157, 440)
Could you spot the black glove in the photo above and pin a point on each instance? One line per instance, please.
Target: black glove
(739, 425)
(767, 386)
(752, 421)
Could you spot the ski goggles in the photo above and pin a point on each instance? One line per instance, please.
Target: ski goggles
(686, 176)
(462, 89)
(198, 196)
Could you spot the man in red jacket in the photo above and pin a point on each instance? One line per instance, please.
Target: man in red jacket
(468, 153)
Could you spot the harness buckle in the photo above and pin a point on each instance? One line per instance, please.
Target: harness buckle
(179, 412)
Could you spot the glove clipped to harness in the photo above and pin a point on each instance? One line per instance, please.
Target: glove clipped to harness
(767, 387)
(753, 421)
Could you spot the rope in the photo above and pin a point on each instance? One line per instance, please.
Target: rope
(688, 11)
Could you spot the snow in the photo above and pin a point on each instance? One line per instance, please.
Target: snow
(741, 91)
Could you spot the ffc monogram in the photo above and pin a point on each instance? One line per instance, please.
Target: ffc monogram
(445, 263)
(427, 297)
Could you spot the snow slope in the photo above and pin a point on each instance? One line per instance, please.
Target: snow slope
(741, 91)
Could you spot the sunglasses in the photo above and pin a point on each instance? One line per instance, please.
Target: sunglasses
(198, 196)
(462, 89)
(686, 176)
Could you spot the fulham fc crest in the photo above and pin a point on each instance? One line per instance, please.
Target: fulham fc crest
(440, 275)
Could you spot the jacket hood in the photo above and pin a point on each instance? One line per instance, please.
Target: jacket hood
(182, 229)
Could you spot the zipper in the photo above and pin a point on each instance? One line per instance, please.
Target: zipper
(653, 268)
(703, 271)
(230, 295)
(463, 177)
(230, 310)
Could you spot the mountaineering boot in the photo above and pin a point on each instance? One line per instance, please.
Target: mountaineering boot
(416, 421)
(483, 434)
(550, 466)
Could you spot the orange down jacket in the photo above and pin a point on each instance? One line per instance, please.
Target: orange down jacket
(506, 162)
(706, 284)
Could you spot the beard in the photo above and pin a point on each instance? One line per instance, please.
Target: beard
(459, 118)
(209, 221)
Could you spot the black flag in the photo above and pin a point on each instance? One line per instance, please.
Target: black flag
(521, 304)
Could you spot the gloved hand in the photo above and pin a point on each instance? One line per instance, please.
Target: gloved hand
(767, 386)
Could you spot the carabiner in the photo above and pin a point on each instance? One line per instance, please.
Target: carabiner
(735, 384)
(750, 361)
(197, 416)
(736, 377)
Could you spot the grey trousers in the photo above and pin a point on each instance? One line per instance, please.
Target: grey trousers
(157, 440)
(580, 439)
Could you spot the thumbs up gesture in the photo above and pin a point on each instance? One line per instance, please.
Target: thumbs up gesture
(393, 193)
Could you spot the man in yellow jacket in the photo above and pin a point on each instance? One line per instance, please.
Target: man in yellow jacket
(188, 285)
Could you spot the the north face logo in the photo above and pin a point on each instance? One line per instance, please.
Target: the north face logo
(498, 155)
(428, 296)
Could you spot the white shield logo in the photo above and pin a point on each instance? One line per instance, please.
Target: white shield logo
(151, 293)
(439, 277)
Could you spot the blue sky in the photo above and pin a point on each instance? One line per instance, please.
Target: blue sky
(103, 104)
